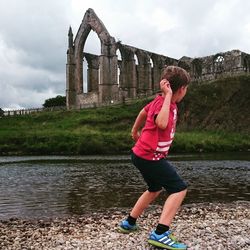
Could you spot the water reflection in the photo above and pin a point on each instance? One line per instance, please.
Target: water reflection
(62, 186)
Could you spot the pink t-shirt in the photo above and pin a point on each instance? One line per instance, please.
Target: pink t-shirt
(154, 143)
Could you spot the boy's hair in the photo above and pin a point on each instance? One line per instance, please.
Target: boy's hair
(177, 77)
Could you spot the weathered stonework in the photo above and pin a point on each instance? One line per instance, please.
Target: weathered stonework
(104, 85)
(219, 65)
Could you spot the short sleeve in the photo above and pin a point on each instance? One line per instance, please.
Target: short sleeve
(157, 107)
(154, 107)
(147, 107)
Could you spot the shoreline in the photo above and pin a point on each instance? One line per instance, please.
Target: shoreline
(200, 226)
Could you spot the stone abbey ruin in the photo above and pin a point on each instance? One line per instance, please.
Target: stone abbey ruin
(137, 73)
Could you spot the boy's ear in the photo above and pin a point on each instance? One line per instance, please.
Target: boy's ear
(180, 89)
(184, 87)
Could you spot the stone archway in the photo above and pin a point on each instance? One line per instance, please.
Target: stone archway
(128, 78)
(196, 68)
(106, 64)
(219, 63)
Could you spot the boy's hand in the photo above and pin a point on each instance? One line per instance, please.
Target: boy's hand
(165, 87)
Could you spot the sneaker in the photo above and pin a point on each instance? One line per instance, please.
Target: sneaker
(165, 240)
(125, 227)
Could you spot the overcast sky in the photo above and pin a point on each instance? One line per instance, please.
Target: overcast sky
(33, 37)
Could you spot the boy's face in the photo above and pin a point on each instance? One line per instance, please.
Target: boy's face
(181, 93)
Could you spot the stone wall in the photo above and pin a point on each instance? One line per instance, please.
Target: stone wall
(137, 73)
(218, 65)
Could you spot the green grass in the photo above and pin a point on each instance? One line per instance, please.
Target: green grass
(90, 131)
(211, 120)
(94, 132)
(210, 141)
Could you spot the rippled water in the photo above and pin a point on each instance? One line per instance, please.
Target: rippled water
(38, 187)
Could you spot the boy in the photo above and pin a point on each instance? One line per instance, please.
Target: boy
(149, 156)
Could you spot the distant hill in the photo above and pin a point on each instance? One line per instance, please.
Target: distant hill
(223, 104)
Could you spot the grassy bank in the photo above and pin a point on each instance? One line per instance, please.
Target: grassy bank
(90, 131)
(99, 131)
(207, 124)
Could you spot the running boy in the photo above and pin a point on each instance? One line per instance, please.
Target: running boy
(149, 156)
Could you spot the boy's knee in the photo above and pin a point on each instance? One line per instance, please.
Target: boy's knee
(183, 187)
(154, 193)
(184, 191)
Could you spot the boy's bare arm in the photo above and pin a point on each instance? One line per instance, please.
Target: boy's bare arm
(162, 118)
(140, 119)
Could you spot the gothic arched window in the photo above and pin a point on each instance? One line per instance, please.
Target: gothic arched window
(219, 64)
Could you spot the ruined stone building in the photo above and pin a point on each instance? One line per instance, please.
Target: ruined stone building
(137, 73)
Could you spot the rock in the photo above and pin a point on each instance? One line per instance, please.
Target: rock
(200, 226)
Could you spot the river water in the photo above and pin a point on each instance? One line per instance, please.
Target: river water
(57, 186)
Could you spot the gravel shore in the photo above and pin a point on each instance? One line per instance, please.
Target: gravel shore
(200, 226)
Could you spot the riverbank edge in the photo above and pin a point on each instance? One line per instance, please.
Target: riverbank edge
(200, 226)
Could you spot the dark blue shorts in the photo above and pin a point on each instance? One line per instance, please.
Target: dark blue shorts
(159, 174)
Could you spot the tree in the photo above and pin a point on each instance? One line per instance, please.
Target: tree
(55, 101)
(1, 112)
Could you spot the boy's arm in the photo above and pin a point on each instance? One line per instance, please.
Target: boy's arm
(162, 118)
(139, 121)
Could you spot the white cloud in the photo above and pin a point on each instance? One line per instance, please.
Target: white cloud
(33, 37)
(162, 20)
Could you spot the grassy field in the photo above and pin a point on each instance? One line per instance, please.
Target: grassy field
(90, 131)
(107, 130)
(99, 131)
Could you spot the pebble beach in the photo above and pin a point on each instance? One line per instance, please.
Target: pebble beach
(202, 226)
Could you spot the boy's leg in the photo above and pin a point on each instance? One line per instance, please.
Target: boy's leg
(143, 202)
(129, 225)
(171, 207)
(177, 188)
(162, 236)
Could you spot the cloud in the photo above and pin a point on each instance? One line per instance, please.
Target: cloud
(33, 45)
(33, 37)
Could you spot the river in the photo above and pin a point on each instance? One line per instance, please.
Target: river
(58, 186)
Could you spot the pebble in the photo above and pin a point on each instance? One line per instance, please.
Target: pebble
(200, 226)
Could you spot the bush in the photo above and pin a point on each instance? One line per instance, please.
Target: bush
(56, 101)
